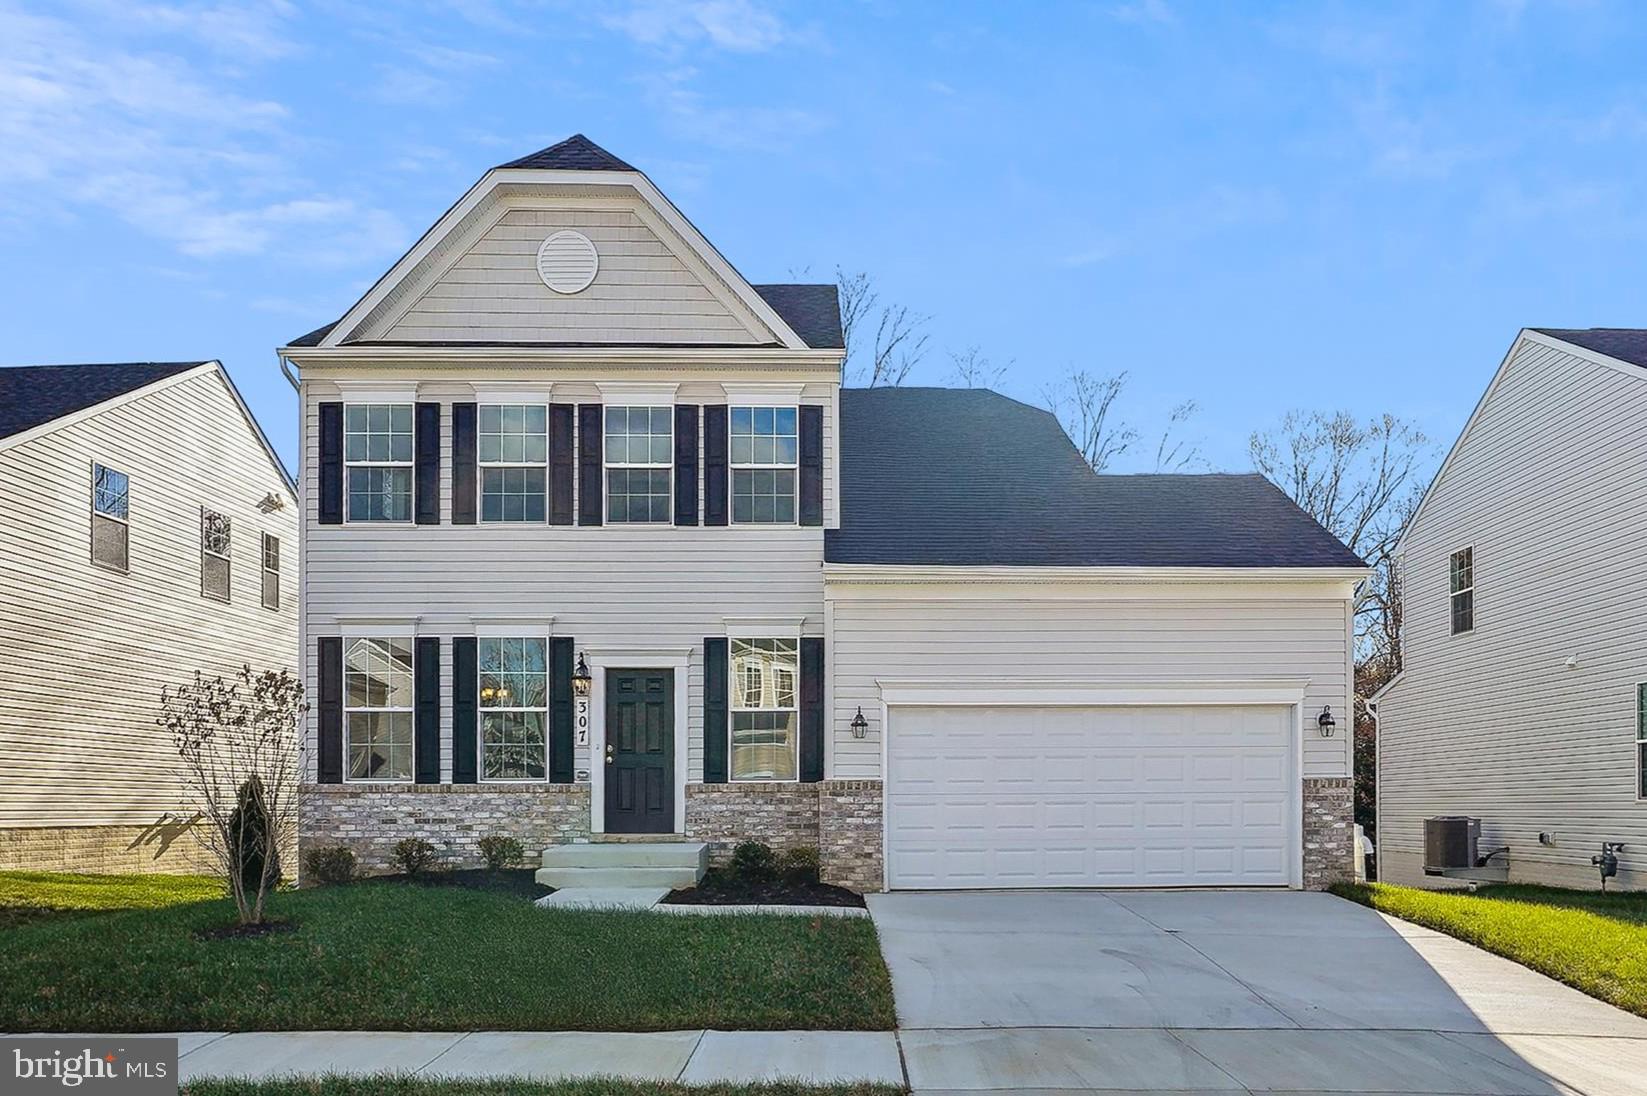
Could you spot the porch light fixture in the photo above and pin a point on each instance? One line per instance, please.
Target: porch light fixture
(1325, 722)
(860, 725)
(582, 680)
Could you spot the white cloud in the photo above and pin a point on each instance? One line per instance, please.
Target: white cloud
(732, 127)
(1144, 11)
(93, 119)
(738, 25)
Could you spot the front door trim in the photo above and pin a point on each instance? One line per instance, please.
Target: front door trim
(601, 659)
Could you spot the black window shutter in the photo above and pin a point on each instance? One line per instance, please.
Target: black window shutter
(329, 650)
(463, 464)
(714, 464)
(811, 504)
(426, 708)
(560, 464)
(560, 710)
(465, 698)
(686, 464)
(427, 473)
(812, 709)
(331, 464)
(590, 494)
(714, 710)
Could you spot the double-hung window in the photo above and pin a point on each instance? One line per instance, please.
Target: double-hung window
(214, 555)
(1641, 740)
(765, 456)
(514, 708)
(377, 451)
(1461, 583)
(640, 456)
(512, 446)
(765, 711)
(111, 510)
(377, 708)
(271, 571)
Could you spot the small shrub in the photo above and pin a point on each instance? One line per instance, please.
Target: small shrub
(501, 852)
(415, 857)
(800, 865)
(255, 860)
(330, 864)
(754, 862)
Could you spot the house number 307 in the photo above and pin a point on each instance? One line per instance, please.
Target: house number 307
(581, 721)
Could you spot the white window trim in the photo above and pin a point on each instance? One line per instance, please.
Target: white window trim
(480, 712)
(607, 464)
(732, 708)
(379, 400)
(348, 638)
(732, 468)
(1453, 594)
(227, 559)
(264, 569)
(482, 465)
(638, 393)
(96, 513)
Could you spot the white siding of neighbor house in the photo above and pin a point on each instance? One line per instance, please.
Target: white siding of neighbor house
(611, 588)
(1549, 485)
(87, 650)
(648, 290)
(1097, 635)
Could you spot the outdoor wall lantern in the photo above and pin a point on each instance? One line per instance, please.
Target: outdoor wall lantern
(1326, 722)
(860, 725)
(582, 680)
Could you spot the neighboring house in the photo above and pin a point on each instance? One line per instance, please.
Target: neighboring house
(1523, 695)
(909, 627)
(147, 531)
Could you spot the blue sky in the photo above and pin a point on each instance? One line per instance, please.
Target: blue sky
(1255, 206)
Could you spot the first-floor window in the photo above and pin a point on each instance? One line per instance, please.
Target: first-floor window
(1641, 740)
(514, 708)
(214, 554)
(111, 510)
(765, 714)
(377, 708)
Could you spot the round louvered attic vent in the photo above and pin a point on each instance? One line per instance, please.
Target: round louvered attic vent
(567, 262)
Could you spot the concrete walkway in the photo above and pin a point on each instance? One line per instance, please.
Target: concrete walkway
(1229, 992)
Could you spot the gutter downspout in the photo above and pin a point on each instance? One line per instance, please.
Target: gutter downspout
(285, 367)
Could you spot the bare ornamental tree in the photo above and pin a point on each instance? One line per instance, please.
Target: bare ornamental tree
(969, 368)
(1175, 453)
(1085, 405)
(238, 742)
(899, 341)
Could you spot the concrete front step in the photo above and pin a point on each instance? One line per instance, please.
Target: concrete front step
(629, 864)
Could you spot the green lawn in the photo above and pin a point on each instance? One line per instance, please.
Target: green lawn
(399, 1086)
(1592, 941)
(395, 956)
(29, 896)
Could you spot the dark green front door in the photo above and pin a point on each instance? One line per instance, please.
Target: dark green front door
(640, 751)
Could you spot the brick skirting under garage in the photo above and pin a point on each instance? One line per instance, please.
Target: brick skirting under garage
(1329, 831)
(165, 848)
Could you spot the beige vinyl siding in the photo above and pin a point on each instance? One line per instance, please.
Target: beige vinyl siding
(1025, 634)
(643, 294)
(1549, 484)
(87, 650)
(609, 587)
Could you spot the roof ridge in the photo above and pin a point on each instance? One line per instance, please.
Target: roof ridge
(575, 153)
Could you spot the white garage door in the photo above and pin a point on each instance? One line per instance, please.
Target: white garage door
(1089, 797)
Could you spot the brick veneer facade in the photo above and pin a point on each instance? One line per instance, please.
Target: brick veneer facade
(165, 848)
(1329, 831)
(839, 818)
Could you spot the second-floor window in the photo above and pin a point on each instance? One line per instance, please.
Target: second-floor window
(765, 455)
(1461, 584)
(214, 555)
(377, 449)
(271, 571)
(639, 445)
(111, 510)
(512, 446)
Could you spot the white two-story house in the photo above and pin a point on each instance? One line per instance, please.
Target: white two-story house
(596, 544)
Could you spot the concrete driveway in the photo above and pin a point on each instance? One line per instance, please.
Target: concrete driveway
(1229, 991)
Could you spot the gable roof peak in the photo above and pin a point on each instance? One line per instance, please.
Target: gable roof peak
(576, 153)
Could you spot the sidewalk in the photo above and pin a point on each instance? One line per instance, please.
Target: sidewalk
(692, 1057)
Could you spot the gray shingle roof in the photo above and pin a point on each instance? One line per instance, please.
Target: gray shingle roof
(576, 153)
(33, 395)
(813, 311)
(969, 477)
(1627, 344)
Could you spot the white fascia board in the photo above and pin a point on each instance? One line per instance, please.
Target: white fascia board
(825, 363)
(1075, 692)
(895, 574)
(1386, 687)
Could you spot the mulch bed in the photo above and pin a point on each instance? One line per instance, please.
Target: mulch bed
(516, 881)
(719, 889)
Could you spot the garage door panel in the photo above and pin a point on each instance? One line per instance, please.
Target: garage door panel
(1088, 797)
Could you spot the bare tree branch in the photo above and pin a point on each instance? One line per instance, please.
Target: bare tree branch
(1084, 404)
(971, 369)
(899, 341)
(1178, 454)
